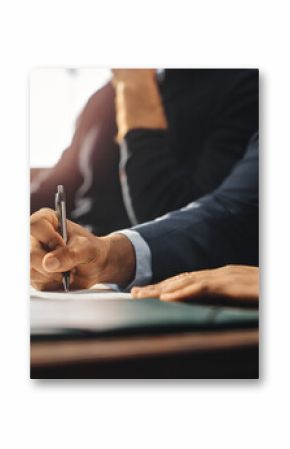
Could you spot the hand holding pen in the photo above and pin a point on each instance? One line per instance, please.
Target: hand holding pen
(89, 259)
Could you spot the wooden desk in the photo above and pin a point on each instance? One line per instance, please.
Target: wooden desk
(191, 355)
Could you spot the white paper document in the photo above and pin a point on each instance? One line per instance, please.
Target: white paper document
(94, 293)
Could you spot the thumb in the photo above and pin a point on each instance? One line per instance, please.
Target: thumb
(78, 251)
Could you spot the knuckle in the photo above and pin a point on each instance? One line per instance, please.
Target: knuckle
(34, 256)
(33, 276)
(42, 286)
(33, 221)
(42, 214)
(34, 284)
(50, 285)
(35, 225)
(36, 276)
(33, 253)
(37, 215)
(46, 211)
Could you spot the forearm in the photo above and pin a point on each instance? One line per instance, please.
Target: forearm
(219, 229)
(200, 238)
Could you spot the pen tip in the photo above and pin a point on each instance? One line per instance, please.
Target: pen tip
(65, 285)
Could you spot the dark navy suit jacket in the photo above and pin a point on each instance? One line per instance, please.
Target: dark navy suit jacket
(219, 229)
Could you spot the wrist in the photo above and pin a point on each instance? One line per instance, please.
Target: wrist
(119, 262)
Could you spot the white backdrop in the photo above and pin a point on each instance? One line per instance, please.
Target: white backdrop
(56, 97)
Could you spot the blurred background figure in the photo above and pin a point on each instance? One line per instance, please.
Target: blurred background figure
(151, 142)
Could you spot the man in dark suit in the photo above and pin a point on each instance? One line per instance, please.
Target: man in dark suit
(179, 136)
(220, 228)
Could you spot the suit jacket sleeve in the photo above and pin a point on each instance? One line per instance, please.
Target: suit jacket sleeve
(219, 229)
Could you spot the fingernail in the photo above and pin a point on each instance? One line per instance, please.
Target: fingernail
(52, 263)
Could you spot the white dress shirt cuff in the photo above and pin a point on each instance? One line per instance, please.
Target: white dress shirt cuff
(143, 272)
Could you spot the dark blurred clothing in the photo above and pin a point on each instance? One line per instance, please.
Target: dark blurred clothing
(211, 114)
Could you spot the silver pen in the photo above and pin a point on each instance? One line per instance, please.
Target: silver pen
(60, 208)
